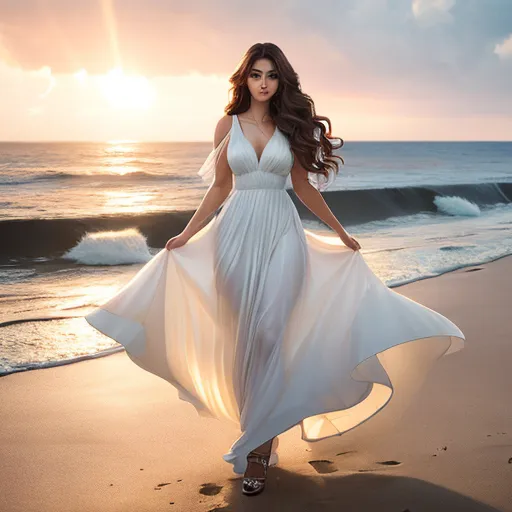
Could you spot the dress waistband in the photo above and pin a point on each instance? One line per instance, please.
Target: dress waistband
(259, 180)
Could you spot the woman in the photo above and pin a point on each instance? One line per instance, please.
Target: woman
(255, 319)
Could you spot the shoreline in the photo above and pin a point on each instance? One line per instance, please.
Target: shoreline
(104, 435)
(120, 348)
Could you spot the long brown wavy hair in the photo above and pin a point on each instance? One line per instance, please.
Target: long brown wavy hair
(292, 110)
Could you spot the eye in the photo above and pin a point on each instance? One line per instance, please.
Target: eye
(257, 75)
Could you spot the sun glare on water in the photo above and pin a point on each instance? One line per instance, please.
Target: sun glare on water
(125, 92)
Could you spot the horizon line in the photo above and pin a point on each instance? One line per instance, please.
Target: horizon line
(209, 141)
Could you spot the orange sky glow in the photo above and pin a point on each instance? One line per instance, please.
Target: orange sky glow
(157, 72)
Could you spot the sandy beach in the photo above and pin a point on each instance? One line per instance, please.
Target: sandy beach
(104, 435)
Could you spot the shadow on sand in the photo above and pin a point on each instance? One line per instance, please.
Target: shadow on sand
(286, 491)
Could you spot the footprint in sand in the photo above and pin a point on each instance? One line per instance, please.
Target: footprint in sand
(323, 466)
(443, 449)
(159, 486)
(210, 489)
(382, 463)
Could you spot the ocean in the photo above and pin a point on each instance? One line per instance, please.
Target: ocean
(78, 220)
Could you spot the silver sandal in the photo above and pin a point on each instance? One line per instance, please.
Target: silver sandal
(252, 485)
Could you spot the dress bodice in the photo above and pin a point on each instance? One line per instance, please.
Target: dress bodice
(270, 171)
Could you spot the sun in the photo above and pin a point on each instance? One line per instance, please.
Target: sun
(126, 92)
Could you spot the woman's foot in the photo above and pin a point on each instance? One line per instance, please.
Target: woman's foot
(256, 471)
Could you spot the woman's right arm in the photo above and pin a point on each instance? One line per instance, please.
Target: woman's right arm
(216, 193)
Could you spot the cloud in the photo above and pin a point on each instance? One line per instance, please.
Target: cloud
(433, 11)
(46, 72)
(421, 57)
(504, 50)
(156, 37)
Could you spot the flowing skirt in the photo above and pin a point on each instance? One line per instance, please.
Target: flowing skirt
(264, 324)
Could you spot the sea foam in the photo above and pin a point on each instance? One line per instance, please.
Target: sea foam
(454, 205)
(111, 248)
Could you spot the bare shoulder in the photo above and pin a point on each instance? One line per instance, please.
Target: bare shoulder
(222, 129)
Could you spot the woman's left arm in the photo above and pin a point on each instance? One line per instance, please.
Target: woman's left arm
(315, 202)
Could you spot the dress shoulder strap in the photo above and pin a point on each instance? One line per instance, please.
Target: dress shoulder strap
(207, 170)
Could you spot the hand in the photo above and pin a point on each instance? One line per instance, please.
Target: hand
(350, 242)
(176, 241)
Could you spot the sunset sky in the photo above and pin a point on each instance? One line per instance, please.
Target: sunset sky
(158, 69)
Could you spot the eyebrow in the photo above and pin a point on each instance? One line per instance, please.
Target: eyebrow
(259, 70)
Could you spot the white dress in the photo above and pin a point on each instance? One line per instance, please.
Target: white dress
(265, 324)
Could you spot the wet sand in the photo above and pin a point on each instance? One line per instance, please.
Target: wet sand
(104, 435)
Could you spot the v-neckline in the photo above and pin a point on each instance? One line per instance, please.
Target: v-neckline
(249, 142)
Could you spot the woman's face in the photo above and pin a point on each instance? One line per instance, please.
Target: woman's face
(263, 80)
